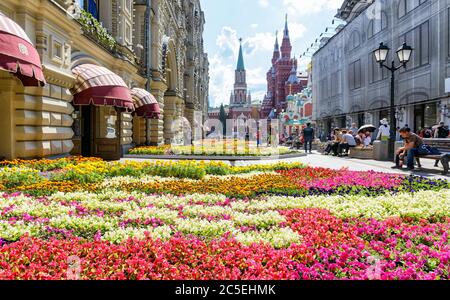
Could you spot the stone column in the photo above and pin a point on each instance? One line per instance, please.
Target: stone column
(7, 94)
(126, 128)
(155, 132)
(139, 130)
(155, 127)
(170, 115)
(189, 114)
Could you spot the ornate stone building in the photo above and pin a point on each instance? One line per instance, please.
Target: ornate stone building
(178, 65)
(100, 59)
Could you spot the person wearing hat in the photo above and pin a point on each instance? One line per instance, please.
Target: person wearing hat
(384, 132)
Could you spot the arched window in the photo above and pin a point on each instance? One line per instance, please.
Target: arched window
(406, 6)
(355, 40)
(377, 24)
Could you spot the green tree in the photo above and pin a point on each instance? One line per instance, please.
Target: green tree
(223, 119)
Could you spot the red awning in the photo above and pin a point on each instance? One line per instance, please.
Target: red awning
(18, 55)
(145, 104)
(99, 86)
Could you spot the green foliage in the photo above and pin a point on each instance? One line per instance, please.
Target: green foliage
(93, 27)
(13, 177)
(177, 171)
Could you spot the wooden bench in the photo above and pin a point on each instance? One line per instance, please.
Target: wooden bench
(444, 147)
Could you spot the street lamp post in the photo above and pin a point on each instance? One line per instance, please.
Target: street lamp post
(404, 55)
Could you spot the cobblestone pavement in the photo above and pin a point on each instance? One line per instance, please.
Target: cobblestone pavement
(318, 160)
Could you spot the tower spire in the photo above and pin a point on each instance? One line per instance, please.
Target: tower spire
(286, 47)
(286, 28)
(240, 64)
(276, 50)
(277, 46)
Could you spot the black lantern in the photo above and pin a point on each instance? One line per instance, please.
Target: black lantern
(404, 54)
(381, 53)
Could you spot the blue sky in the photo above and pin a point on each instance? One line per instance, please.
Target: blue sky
(256, 21)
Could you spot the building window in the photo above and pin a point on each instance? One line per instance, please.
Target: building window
(354, 76)
(128, 33)
(406, 6)
(355, 40)
(323, 88)
(377, 24)
(419, 39)
(336, 83)
(91, 6)
(57, 48)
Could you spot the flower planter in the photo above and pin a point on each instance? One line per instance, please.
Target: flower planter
(362, 153)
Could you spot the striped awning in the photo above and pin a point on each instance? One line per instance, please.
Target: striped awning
(145, 104)
(18, 55)
(97, 85)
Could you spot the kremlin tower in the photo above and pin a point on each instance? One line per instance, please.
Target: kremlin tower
(240, 98)
(282, 79)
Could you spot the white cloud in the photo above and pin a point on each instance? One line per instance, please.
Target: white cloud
(261, 41)
(296, 30)
(256, 76)
(228, 42)
(263, 3)
(305, 7)
(254, 26)
(221, 81)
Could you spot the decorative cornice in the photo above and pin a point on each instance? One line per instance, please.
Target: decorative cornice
(57, 77)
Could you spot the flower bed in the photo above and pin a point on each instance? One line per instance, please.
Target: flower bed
(211, 221)
(213, 148)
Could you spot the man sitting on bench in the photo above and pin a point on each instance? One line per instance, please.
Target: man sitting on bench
(348, 141)
(413, 146)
